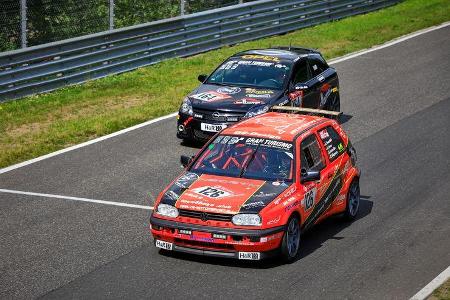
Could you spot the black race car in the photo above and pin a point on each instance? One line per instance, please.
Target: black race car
(249, 83)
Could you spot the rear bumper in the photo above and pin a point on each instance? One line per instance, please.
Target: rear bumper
(202, 240)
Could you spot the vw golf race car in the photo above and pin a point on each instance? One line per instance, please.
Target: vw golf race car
(255, 186)
(250, 82)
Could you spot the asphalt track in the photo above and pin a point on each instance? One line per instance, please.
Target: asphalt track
(397, 106)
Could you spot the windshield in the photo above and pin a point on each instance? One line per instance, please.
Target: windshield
(252, 70)
(255, 158)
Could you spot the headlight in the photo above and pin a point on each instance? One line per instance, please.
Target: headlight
(167, 210)
(246, 220)
(186, 107)
(256, 111)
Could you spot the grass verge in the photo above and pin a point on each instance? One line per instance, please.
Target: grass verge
(41, 124)
(442, 292)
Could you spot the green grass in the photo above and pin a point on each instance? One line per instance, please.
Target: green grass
(41, 124)
(442, 292)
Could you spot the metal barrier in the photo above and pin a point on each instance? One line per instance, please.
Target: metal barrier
(47, 67)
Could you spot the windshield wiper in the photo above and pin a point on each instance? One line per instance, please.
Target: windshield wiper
(244, 168)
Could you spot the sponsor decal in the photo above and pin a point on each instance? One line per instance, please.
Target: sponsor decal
(292, 205)
(324, 134)
(229, 90)
(264, 96)
(261, 57)
(258, 92)
(264, 195)
(285, 203)
(258, 134)
(290, 192)
(248, 101)
(172, 195)
(341, 198)
(210, 96)
(325, 92)
(274, 221)
(269, 143)
(212, 192)
(253, 205)
(186, 180)
(201, 238)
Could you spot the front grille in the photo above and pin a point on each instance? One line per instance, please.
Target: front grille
(203, 114)
(199, 244)
(205, 216)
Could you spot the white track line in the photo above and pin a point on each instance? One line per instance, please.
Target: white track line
(76, 199)
(434, 284)
(388, 44)
(102, 138)
(334, 61)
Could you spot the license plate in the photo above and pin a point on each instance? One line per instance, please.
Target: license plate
(249, 255)
(163, 245)
(212, 127)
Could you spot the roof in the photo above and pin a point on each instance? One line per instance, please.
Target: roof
(284, 53)
(274, 125)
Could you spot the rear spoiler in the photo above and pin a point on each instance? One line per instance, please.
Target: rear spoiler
(310, 111)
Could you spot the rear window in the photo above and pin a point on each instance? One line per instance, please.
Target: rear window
(332, 142)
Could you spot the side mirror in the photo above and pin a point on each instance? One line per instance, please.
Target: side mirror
(202, 77)
(306, 176)
(185, 160)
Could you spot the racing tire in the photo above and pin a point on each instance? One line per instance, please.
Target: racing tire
(291, 240)
(353, 200)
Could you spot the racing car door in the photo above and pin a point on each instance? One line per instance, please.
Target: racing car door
(323, 82)
(301, 75)
(333, 148)
(311, 160)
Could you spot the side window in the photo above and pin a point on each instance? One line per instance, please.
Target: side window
(317, 65)
(300, 72)
(333, 143)
(311, 156)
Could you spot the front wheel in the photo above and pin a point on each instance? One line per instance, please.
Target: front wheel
(291, 240)
(353, 198)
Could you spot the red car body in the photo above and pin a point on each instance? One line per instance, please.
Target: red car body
(316, 186)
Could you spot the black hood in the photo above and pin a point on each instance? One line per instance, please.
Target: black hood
(217, 97)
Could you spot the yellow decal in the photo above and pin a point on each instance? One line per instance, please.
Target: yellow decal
(261, 57)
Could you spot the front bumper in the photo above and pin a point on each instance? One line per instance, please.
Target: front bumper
(203, 240)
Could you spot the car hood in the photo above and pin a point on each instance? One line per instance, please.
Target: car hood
(220, 194)
(209, 96)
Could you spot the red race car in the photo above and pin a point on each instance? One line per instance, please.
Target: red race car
(256, 186)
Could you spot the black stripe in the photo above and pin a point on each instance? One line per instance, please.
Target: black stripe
(325, 202)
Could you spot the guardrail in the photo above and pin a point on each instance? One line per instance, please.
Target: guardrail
(47, 67)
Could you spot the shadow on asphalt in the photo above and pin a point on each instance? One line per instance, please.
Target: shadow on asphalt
(192, 144)
(344, 118)
(311, 241)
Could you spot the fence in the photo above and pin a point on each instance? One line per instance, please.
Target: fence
(33, 22)
(50, 66)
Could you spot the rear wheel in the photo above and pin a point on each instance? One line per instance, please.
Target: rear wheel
(335, 105)
(291, 240)
(353, 199)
